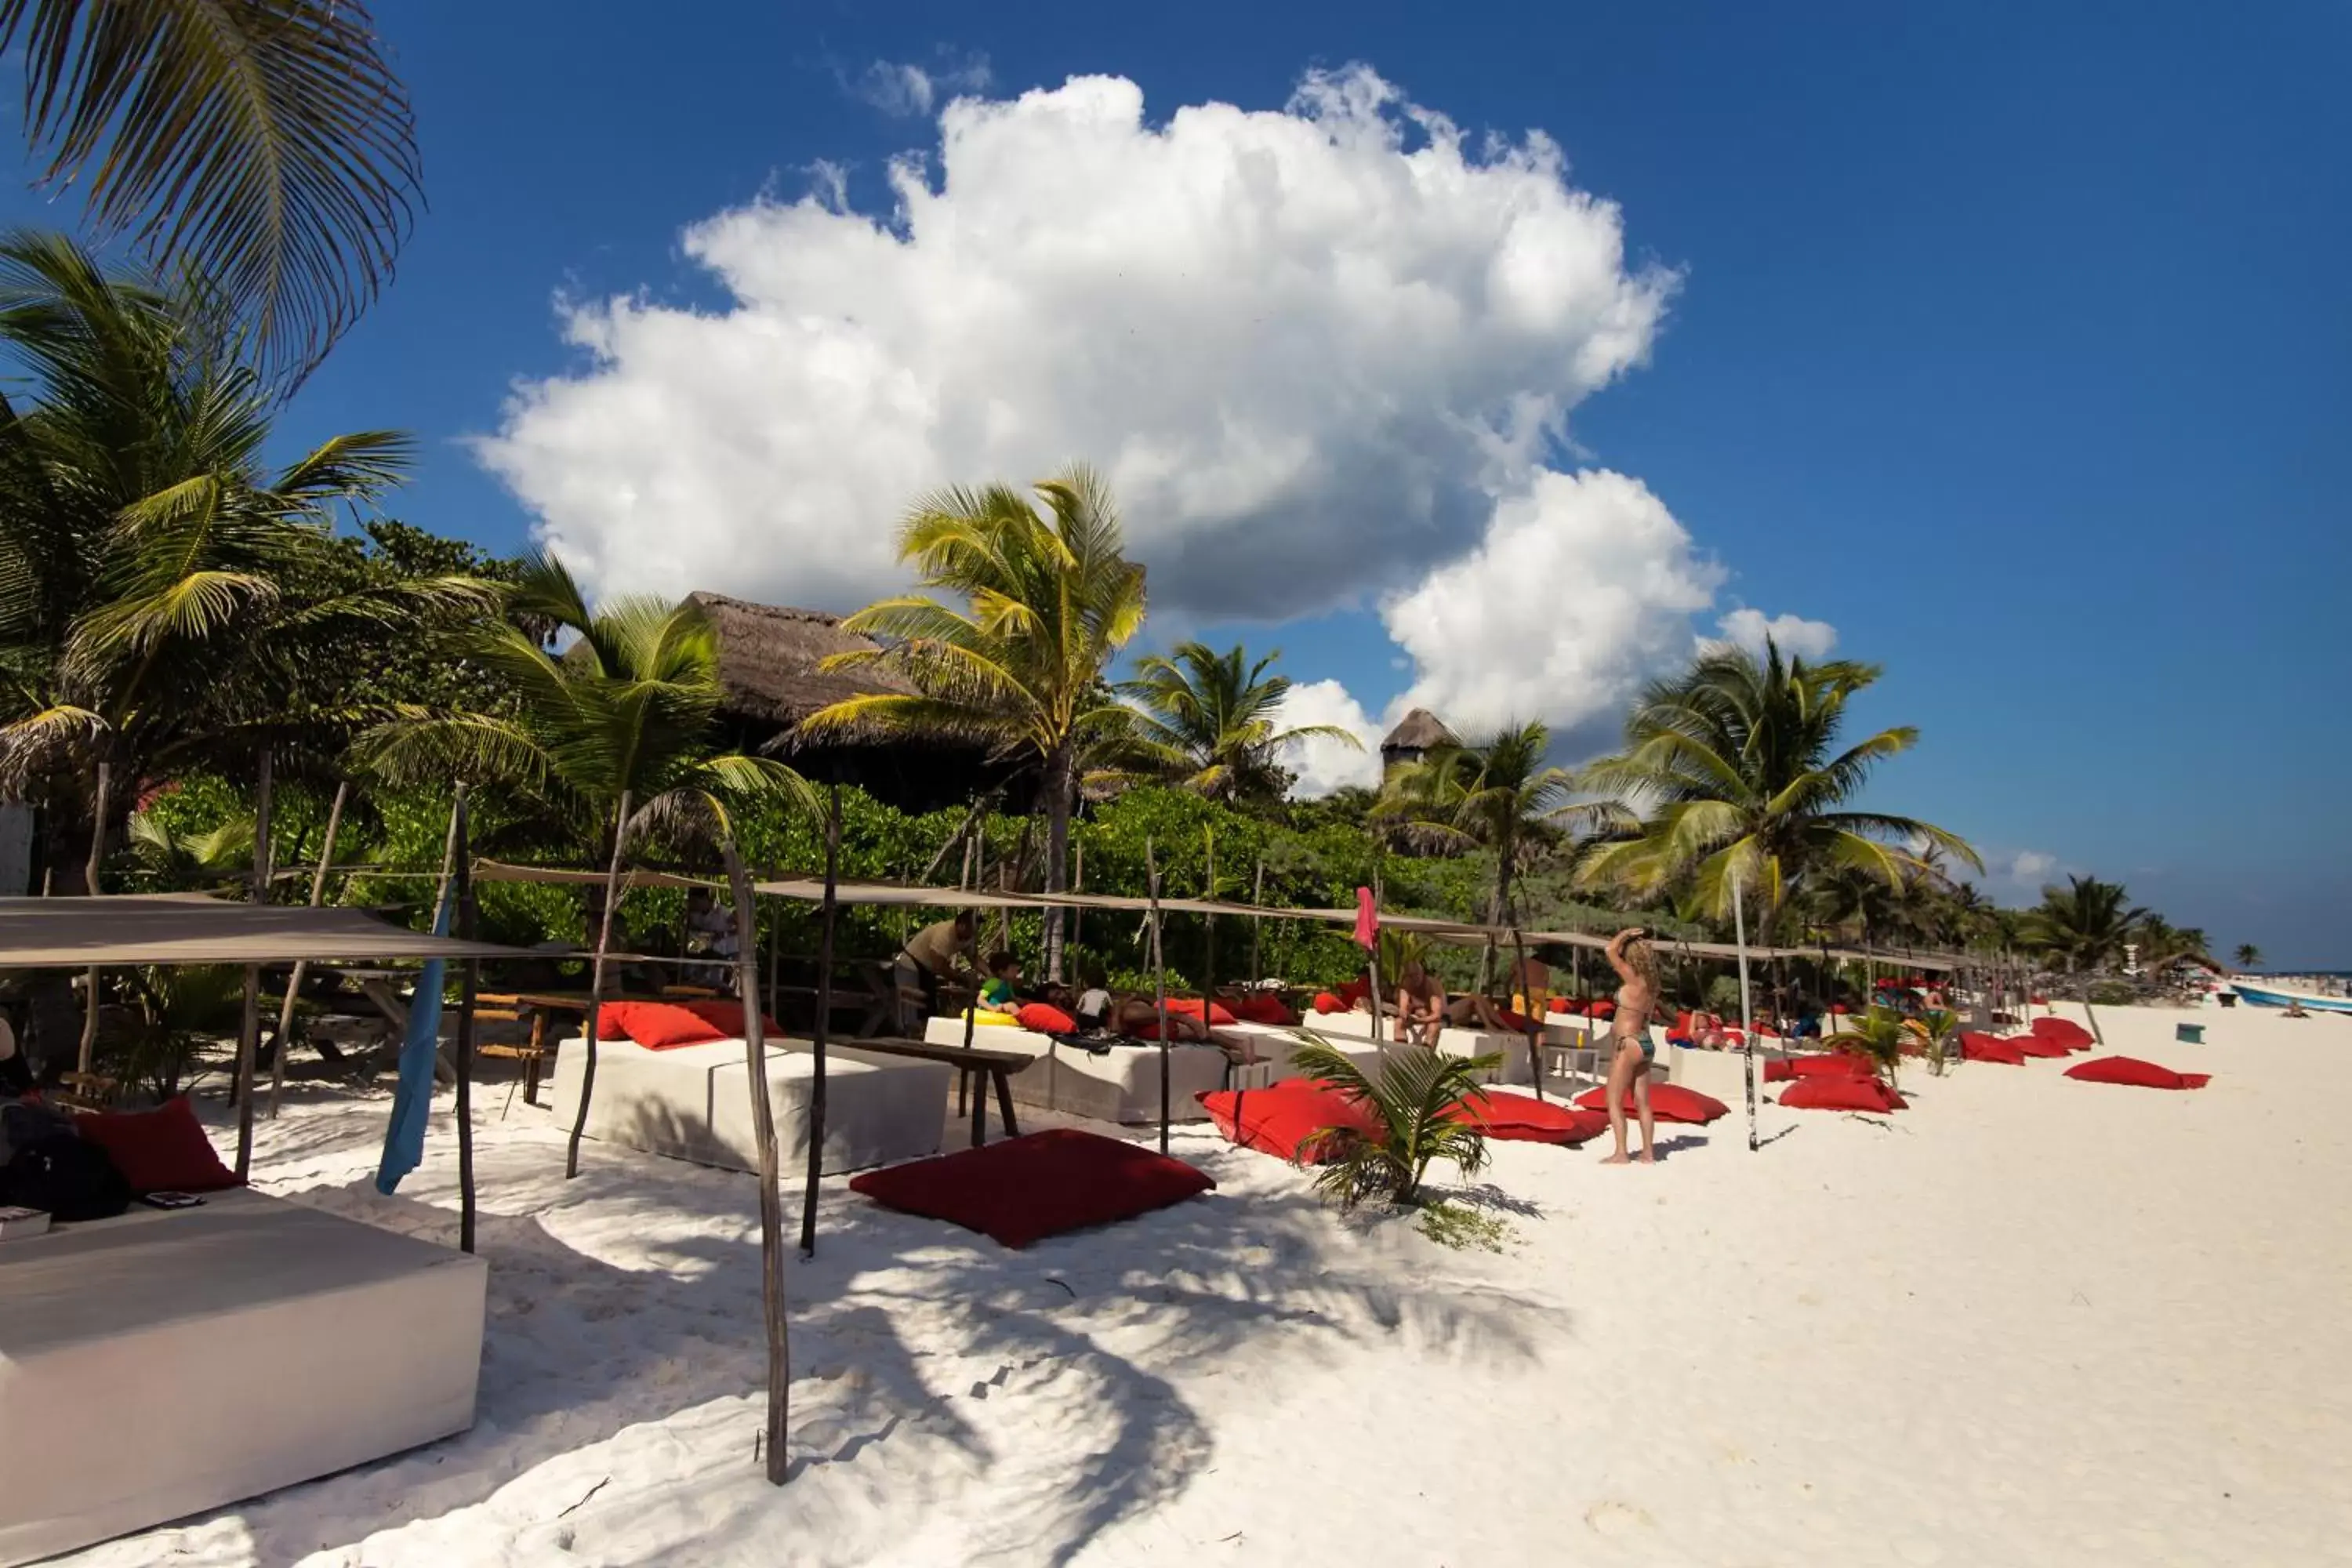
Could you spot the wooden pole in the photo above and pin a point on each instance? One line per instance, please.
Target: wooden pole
(1160, 983)
(1077, 885)
(294, 985)
(1257, 924)
(1518, 986)
(596, 990)
(469, 987)
(764, 1127)
(824, 1019)
(1747, 1012)
(1209, 936)
(90, 878)
(248, 1032)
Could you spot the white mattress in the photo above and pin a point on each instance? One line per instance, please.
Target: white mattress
(1121, 1085)
(161, 1364)
(695, 1103)
(1511, 1047)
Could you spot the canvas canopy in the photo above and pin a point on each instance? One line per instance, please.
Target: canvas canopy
(101, 932)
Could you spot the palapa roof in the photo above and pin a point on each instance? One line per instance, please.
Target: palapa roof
(771, 658)
(189, 928)
(1419, 731)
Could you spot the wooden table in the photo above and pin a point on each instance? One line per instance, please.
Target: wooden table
(999, 1066)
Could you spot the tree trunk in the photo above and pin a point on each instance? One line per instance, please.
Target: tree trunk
(1059, 782)
(248, 1033)
(596, 996)
(468, 989)
(828, 918)
(90, 884)
(764, 1127)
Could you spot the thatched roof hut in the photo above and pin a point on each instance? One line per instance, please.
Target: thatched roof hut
(771, 659)
(1418, 733)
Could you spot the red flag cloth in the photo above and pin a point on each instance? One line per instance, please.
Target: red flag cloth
(1368, 919)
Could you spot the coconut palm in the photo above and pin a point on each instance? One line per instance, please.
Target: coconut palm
(627, 712)
(1736, 767)
(1045, 602)
(155, 599)
(169, 860)
(1212, 722)
(263, 145)
(2249, 955)
(1499, 794)
(1410, 1096)
(2083, 925)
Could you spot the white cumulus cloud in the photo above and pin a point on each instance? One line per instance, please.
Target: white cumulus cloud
(901, 88)
(1322, 762)
(1309, 347)
(1795, 636)
(1583, 587)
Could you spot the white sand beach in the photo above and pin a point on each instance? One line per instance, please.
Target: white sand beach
(2030, 1321)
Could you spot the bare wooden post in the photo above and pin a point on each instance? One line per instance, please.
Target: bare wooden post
(764, 1127)
(1160, 985)
(823, 1019)
(294, 985)
(596, 990)
(1257, 924)
(1535, 1031)
(248, 1032)
(90, 878)
(1208, 940)
(469, 988)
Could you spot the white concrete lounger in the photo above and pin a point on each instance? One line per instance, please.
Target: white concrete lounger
(161, 1364)
(1511, 1047)
(695, 1103)
(1123, 1085)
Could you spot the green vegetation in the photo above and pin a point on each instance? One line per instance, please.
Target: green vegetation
(1409, 1095)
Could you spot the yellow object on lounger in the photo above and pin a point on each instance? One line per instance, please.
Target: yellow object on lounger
(985, 1016)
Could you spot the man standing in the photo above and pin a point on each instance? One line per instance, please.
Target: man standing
(944, 951)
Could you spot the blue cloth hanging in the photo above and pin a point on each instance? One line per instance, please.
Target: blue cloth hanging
(412, 1102)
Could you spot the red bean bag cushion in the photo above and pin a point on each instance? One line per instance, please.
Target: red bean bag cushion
(1040, 1184)
(2065, 1032)
(1840, 1094)
(2039, 1046)
(1045, 1018)
(1562, 1005)
(1682, 1024)
(1291, 1121)
(1521, 1117)
(159, 1151)
(1668, 1102)
(1840, 1064)
(657, 1025)
(727, 1017)
(1265, 1007)
(1325, 1002)
(1190, 1007)
(1977, 1047)
(1840, 1008)
(1603, 1008)
(2136, 1072)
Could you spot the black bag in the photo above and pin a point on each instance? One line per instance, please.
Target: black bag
(68, 1177)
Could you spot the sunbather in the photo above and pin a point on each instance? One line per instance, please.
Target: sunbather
(1629, 1031)
(1421, 1006)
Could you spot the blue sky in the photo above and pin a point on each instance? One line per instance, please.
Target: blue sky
(2010, 340)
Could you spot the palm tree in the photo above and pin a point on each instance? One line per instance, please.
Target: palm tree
(155, 608)
(263, 145)
(616, 734)
(1213, 724)
(1412, 1097)
(2083, 925)
(1499, 794)
(1735, 764)
(170, 861)
(1047, 601)
(2249, 955)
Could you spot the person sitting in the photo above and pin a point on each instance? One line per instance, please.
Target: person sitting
(1093, 1010)
(1420, 1005)
(1001, 992)
(1531, 988)
(711, 929)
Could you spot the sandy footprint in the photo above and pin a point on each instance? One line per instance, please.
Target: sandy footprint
(1617, 1519)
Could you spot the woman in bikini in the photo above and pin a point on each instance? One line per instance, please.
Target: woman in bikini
(1636, 965)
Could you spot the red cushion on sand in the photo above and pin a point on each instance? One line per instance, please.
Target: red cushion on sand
(2136, 1072)
(1287, 1120)
(1325, 1002)
(159, 1151)
(1562, 1005)
(1840, 1064)
(727, 1017)
(1045, 1018)
(1190, 1007)
(657, 1025)
(1840, 1007)
(1977, 1047)
(1840, 1094)
(1521, 1117)
(1040, 1184)
(1264, 1007)
(2065, 1032)
(2039, 1046)
(1668, 1102)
